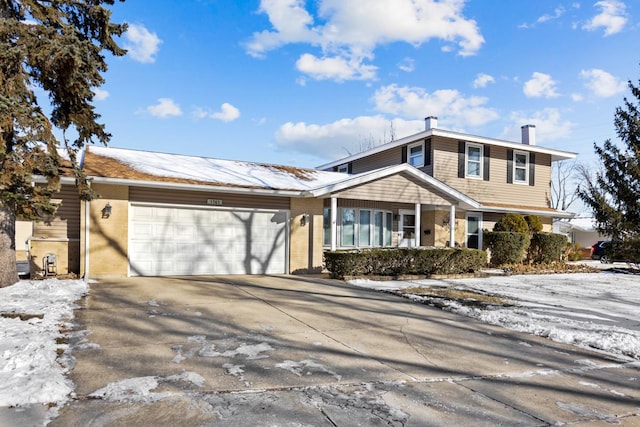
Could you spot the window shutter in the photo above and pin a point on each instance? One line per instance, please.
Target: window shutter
(349, 168)
(461, 158)
(509, 166)
(404, 155)
(532, 169)
(487, 158)
(427, 152)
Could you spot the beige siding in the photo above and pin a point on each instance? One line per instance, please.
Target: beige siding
(389, 157)
(66, 222)
(496, 190)
(199, 198)
(395, 188)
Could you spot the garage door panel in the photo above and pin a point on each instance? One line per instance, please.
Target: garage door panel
(183, 241)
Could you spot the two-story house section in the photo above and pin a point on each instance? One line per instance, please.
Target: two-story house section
(497, 176)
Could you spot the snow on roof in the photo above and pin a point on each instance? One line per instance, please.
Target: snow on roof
(209, 170)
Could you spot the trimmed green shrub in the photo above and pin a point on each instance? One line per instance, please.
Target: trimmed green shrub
(506, 247)
(514, 223)
(546, 248)
(399, 261)
(534, 223)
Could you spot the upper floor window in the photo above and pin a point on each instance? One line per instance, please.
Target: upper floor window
(416, 155)
(521, 167)
(473, 161)
(343, 168)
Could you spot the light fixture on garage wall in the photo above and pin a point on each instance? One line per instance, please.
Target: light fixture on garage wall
(106, 211)
(304, 219)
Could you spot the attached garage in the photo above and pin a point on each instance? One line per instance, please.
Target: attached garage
(169, 240)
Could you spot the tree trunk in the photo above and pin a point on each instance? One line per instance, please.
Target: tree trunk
(8, 271)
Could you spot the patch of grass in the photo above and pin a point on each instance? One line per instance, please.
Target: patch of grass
(550, 268)
(465, 297)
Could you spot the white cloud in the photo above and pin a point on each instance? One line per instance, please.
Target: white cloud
(164, 108)
(344, 136)
(482, 80)
(550, 126)
(408, 65)
(612, 17)
(601, 83)
(448, 104)
(335, 68)
(343, 29)
(227, 113)
(577, 97)
(100, 94)
(540, 86)
(142, 45)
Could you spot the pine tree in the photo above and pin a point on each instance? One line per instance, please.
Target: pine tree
(614, 194)
(57, 47)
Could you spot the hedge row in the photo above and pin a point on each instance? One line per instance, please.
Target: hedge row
(511, 248)
(506, 247)
(399, 261)
(547, 248)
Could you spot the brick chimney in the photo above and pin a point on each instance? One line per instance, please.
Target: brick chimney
(529, 134)
(430, 122)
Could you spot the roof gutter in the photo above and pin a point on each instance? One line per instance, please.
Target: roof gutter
(545, 213)
(196, 187)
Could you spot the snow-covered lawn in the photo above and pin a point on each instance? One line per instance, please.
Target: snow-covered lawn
(595, 310)
(34, 319)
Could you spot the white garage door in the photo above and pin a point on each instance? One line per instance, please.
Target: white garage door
(165, 241)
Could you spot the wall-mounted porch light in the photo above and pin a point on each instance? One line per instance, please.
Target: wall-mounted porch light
(106, 211)
(304, 219)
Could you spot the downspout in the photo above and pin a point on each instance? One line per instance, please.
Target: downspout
(418, 226)
(86, 240)
(452, 226)
(334, 216)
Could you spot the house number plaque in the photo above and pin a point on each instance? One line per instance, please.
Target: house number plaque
(214, 202)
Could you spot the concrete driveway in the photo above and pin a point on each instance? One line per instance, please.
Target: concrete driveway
(289, 350)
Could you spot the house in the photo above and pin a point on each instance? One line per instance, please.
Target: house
(170, 214)
(499, 176)
(580, 231)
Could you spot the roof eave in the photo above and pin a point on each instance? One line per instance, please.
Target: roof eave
(373, 175)
(556, 155)
(196, 187)
(546, 213)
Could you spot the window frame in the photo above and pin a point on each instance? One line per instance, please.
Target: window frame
(384, 234)
(422, 154)
(480, 160)
(477, 215)
(524, 181)
(343, 168)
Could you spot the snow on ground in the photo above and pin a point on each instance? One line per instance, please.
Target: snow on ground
(596, 310)
(33, 315)
(592, 310)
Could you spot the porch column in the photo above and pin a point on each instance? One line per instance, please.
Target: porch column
(418, 226)
(452, 226)
(334, 226)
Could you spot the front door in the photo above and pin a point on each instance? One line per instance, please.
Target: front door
(407, 229)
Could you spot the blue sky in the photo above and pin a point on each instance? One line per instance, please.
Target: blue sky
(305, 82)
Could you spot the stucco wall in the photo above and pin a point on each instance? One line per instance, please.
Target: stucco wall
(108, 237)
(305, 250)
(42, 247)
(441, 237)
